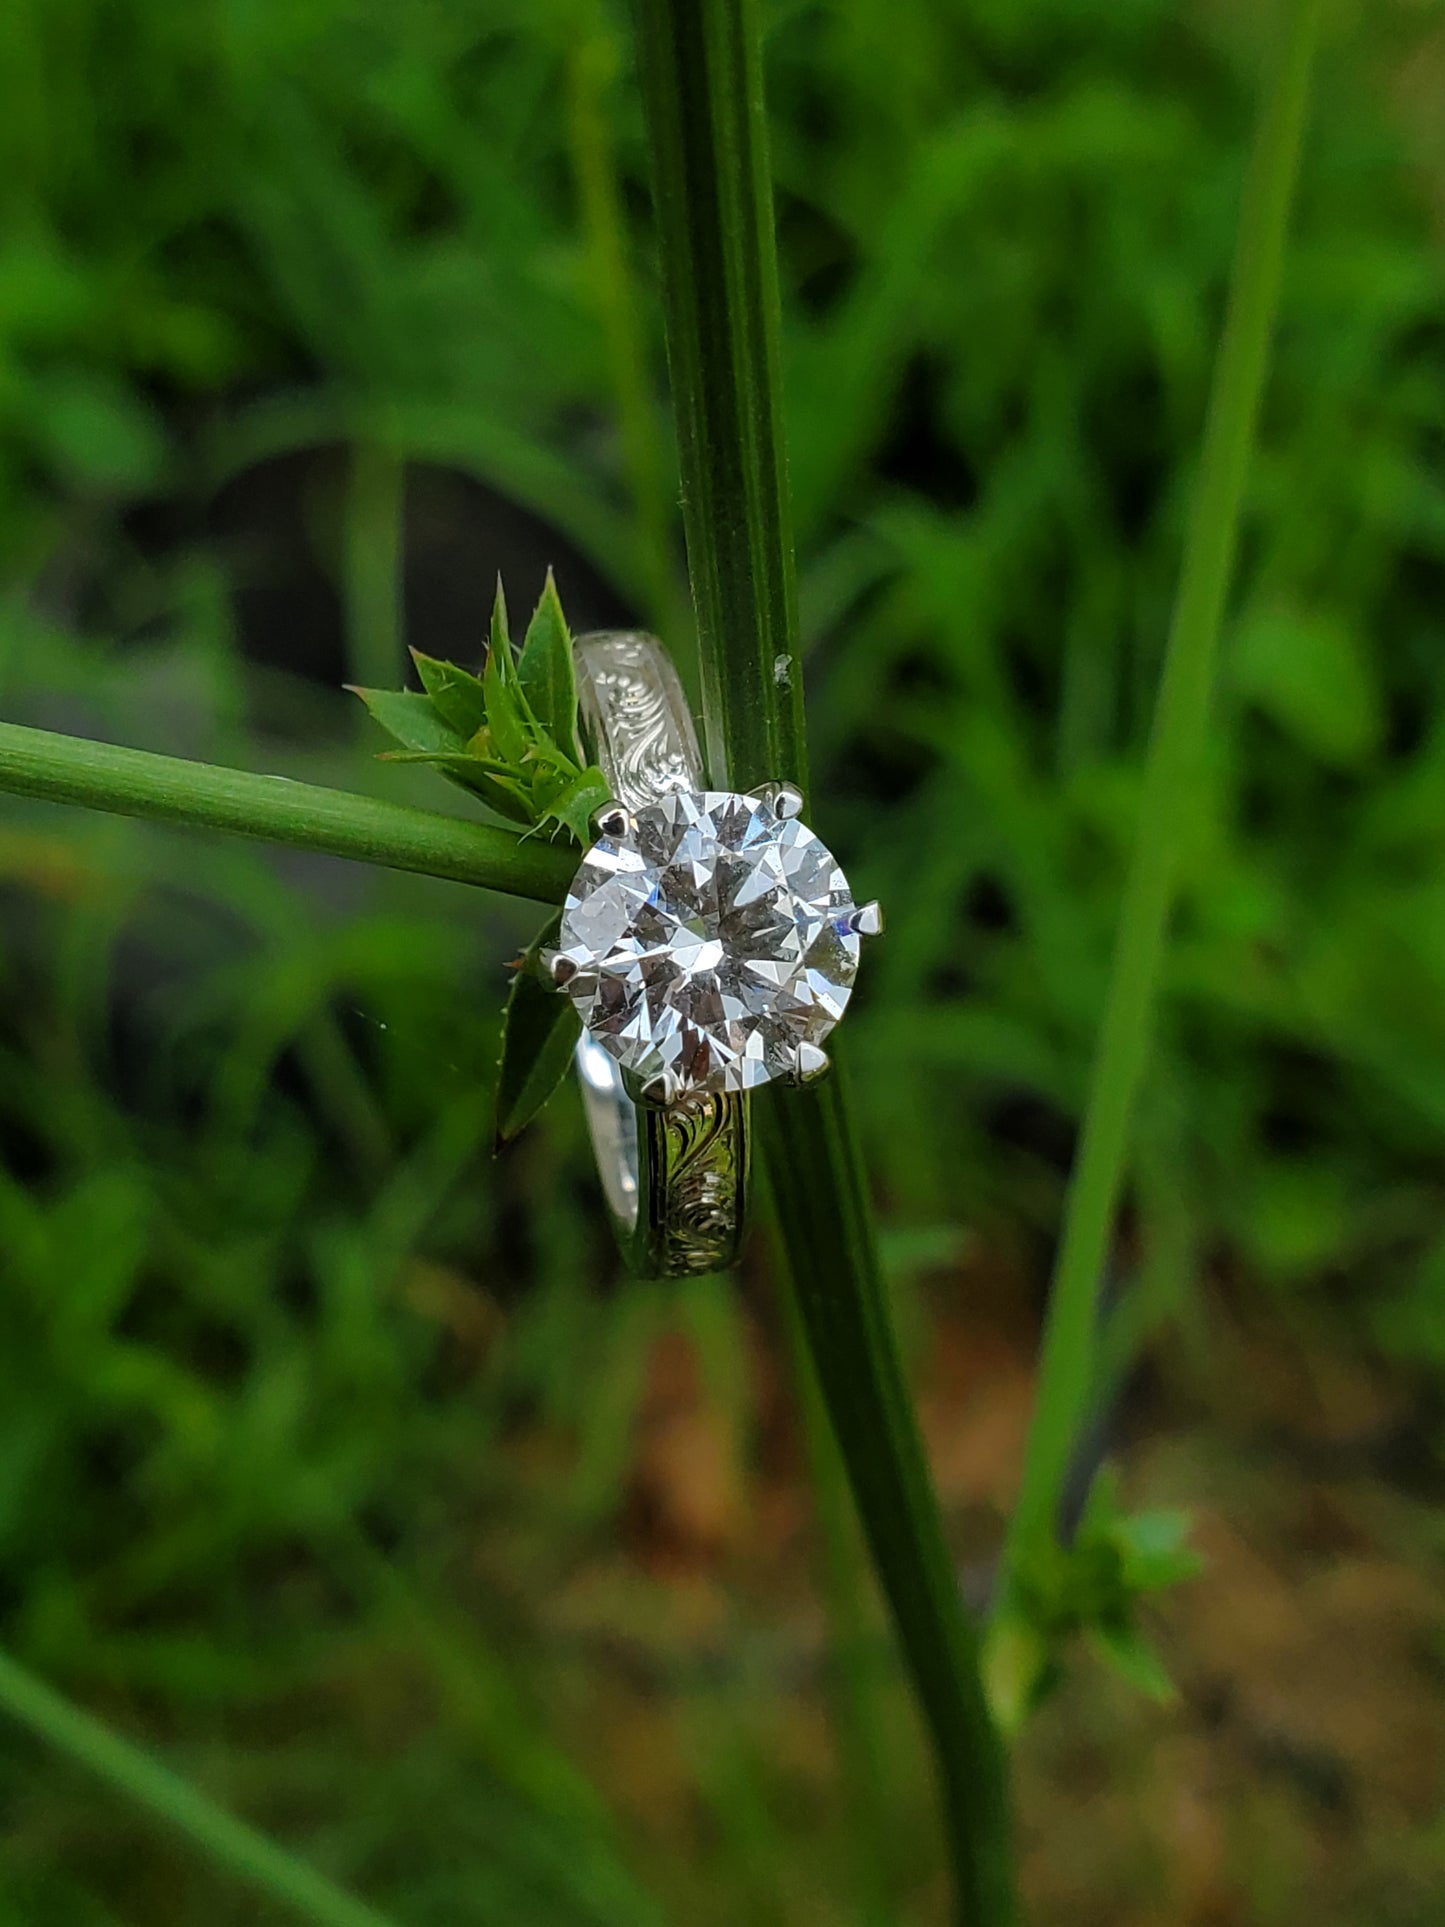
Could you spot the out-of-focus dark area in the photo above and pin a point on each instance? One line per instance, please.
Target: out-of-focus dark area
(340, 1463)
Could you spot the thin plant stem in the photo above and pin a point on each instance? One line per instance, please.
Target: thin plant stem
(136, 782)
(139, 1778)
(1171, 783)
(592, 63)
(701, 71)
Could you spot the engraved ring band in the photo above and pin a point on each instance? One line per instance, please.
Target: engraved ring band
(709, 943)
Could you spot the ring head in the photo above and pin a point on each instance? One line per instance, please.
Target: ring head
(713, 939)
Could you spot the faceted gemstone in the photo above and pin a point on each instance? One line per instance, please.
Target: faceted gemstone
(709, 942)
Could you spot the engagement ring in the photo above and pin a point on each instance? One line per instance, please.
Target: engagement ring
(709, 943)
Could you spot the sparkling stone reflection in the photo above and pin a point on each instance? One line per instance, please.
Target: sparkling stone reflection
(710, 941)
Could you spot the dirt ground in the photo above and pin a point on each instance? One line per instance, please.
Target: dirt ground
(1297, 1777)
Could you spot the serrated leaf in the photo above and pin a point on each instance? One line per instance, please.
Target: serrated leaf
(1129, 1653)
(458, 696)
(547, 674)
(454, 761)
(505, 726)
(500, 635)
(572, 806)
(412, 720)
(483, 734)
(493, 783)
(540, 1028)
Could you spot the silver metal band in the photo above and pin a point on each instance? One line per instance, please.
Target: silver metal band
(675, 1179)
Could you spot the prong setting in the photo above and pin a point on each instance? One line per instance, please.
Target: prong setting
(558, 968)
(659, 1091)
(612, 820)
(866, 920)
(786, 800)
(809, 1064)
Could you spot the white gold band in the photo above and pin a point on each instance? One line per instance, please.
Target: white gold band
(675, 1177)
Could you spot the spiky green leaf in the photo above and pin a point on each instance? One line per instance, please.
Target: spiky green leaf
(573, 804)
(494, 783)
(540, 1029)
(506, 728)
(457, 696)
(500, 636)
(547, 674)
(412, 720)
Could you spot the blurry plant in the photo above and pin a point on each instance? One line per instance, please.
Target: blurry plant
(242, 1851)
(1032, 1598)
(1093, 1585)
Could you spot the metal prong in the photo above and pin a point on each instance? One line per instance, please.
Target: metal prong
(660, 1091)
(810, 1064)
(866, 920)
(786, 799)
(559, 967)
(612, 820)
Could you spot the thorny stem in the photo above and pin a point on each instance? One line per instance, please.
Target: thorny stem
(135, 782)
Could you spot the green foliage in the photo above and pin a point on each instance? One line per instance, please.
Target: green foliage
(253, 1860)
(546, 672)
(509, 735)
(1004, 231)
(1068, 1376)
(1093, 1586)
(243, 1310)
(539, 1034)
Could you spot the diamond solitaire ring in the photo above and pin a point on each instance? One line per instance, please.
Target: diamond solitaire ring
(709, 943)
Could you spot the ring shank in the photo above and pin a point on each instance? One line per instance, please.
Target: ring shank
(675, 1178)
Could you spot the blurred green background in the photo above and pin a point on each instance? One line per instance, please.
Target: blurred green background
(337, 1461)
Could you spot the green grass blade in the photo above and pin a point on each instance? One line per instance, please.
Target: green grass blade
(229, 1842)
(1171, 779)
(702, 89)
(701, 75)
(853, 1684)
(817, 1184)
(136, 782)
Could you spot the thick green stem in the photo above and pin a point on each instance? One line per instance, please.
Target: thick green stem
(1171, 781)
(139, 1778)
(819, 1191)
(873, 1839)
(702, 90)
(134, 782)
(701, 70)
